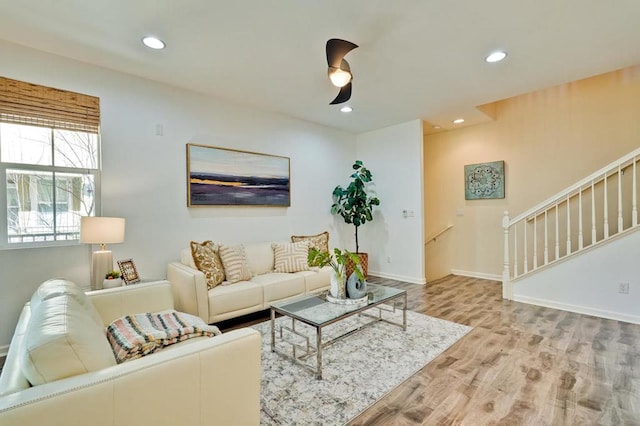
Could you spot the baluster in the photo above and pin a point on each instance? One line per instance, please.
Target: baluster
(593, 213)
(580, 241)
(546, 242)
(506, 280)
(634, 202)
(606, 209)
(526, 248)
(557, 236)
(535, 242)
(515, 250)
(568, 226)
(620, 224)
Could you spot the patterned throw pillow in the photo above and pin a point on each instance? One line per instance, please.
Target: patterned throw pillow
(207, 260)
(320, 241)
(291, 257)
(236, 267)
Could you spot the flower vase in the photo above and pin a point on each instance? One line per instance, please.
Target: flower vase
(337, 289)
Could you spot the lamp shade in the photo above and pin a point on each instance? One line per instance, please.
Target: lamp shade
(101, 230)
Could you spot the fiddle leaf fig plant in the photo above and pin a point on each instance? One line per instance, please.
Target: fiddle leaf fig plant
(355, 203)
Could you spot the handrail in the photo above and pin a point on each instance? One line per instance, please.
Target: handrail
(576, 219)
(437, 234)
(586, 181)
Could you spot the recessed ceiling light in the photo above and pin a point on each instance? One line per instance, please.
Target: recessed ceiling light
(458, 121)
(346, 108)
(496, 56)
(436, 126)
(153, 43)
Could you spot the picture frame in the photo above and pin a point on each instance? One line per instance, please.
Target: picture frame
(128, 271)
(229, 177)
(484, 180)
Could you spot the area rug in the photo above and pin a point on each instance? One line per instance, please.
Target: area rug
(357, 370)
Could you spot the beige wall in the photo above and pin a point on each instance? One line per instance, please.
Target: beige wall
(548, 139)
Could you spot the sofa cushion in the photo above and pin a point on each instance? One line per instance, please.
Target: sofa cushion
(278, 286)
(235, 263)
(319, 241)
(60, 287)
(316, 280)
(241, 295)
(186, 258)
(291, 257)
(207, 260)
(62, 340)
(259, 257)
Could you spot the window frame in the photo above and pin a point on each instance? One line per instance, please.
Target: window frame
(5, 166)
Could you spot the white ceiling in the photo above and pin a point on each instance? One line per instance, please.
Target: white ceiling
(418, 59)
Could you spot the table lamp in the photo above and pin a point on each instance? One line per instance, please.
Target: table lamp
(101, 230)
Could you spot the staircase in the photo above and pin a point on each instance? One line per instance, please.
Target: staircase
(598, 209)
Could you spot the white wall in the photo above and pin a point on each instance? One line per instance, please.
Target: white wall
(394, 156)
(588, 283)
(144, 175)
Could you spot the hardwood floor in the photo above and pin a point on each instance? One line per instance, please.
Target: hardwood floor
(521, 364)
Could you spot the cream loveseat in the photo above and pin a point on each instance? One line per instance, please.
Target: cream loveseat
(225, 301)
(60, 345)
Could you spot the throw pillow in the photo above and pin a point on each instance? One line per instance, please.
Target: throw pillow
(234, 260)
(207, 260)
(320, 241)
(291, 257)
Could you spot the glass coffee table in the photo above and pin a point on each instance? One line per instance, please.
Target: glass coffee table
(317, 312)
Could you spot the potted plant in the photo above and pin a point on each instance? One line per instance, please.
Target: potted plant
(338, 263)
(355, 204)
(112, 279)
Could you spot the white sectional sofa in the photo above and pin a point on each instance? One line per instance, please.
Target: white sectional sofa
(60, 345)
(222, 302)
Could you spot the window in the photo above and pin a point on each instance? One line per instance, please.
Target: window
(50, 168)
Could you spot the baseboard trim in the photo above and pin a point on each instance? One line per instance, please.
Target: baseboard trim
(617, 316)
(480, 275)
(403, 278)
(4, 350)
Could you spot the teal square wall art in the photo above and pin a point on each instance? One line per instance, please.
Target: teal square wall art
(484, 180)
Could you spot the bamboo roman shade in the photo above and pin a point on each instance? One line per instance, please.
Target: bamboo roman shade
(32, 104)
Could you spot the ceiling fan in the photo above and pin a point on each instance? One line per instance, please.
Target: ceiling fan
(339, 70)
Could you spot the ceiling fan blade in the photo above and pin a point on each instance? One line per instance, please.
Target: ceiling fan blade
(336, 49)
(343, 96)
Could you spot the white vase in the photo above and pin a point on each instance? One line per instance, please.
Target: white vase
(337, 285)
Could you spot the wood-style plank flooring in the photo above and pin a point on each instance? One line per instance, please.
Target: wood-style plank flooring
(521, 364)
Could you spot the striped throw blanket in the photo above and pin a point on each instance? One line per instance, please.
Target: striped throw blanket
(134, 336)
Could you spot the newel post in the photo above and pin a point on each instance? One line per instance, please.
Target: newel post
(507, 290)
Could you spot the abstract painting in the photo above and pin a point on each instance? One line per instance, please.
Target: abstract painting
(228, 177)
(484, 180)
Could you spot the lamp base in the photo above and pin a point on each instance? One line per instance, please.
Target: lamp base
(101, 263)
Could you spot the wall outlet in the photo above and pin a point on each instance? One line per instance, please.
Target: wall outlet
(623, 288)
(388, 259)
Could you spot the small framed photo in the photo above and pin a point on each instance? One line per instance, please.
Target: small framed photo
(128, 271)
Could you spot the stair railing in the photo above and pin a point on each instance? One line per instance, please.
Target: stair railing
(592, 211)
(434, 237)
